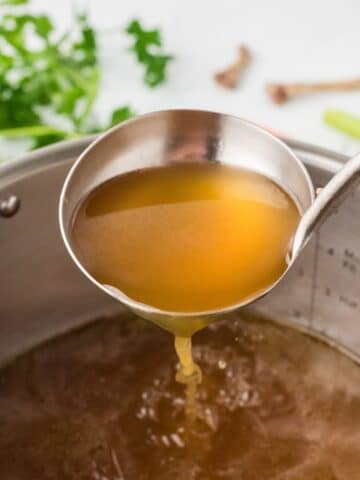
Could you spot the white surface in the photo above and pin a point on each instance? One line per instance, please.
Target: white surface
(290, 40)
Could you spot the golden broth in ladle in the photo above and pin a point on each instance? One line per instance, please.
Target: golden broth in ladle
(186, 238)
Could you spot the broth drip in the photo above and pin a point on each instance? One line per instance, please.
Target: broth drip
(186, 238)
(189, 374)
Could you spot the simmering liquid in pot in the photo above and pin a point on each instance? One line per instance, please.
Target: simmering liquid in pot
(101, 403)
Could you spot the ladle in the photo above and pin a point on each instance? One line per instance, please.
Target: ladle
(173, 136)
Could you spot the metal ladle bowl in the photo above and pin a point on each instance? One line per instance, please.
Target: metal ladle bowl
(174, 136)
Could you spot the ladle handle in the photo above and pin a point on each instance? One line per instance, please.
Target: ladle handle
(328, 199)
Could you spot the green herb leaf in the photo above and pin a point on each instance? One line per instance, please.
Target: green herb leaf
(44, 140)
(43, 26)
(120, 115)
(148, 50)
(13, 2)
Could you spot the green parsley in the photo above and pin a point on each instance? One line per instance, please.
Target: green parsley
(59, 78)
(49, 81)
(148, 50)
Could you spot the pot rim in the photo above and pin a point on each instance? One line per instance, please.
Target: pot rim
(46, 157)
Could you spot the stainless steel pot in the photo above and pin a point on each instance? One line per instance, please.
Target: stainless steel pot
(42, 294)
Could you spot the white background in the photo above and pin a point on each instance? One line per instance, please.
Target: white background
(291, 40)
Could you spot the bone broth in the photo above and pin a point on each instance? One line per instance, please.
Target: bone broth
(101, 403)
(186, 238)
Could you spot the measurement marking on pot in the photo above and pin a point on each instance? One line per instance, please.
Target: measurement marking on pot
(351, 267)
(351, 256)
(314, 277)
(350, 302)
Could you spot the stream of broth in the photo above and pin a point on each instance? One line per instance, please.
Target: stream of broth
(186, 238)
